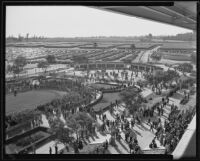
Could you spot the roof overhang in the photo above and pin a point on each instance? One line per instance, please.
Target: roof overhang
(181, 14)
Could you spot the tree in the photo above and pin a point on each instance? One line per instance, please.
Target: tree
(84, 119)
(51, 59)
(142, 83)
(20, 61)
(74, 125)
(185, 67)
(27, 35)
(9, 68)
(132, 98)
(172, 75)
(156, 78)
(43, 65)
(95, 45)
(194, 58)
(17, 70)
(80, 59)
(25, 115)
(20, 38)
(80, 121)
(150, 36)
(127, 61)
(61, 132)
(132, 46)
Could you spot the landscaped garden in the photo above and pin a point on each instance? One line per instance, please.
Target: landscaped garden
(73, 118)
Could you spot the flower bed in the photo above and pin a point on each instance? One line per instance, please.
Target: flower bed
(29, 139)
(24, 142)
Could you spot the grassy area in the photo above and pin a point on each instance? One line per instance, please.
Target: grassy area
(30, 99)
(19, 144)
(183, 45)
(177, 57)
(138, 45)
(106, 100)
(99, 86)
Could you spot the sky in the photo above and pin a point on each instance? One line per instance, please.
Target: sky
(79, 21)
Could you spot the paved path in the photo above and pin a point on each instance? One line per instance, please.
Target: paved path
(45, 148)
(147, 54)
(137, 59)
(146, 92)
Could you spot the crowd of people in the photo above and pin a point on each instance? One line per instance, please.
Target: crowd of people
(117, 127)
(168, 134)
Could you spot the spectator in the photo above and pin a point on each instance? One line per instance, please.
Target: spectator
(56, 149)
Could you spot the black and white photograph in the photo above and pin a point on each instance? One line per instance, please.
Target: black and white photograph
(101, 79)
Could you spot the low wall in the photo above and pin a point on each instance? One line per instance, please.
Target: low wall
(27, 133)
(37, 144)
(29, 147)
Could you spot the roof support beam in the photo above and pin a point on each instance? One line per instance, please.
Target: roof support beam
(155, 11)
(178, 13)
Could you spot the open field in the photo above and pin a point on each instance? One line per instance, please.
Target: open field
(30, 99)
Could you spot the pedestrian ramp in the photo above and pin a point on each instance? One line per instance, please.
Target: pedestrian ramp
(109, 116)
(146, 92)
(123, 146)
(154, 150)
(45, 148)
(112, 150)
(101, 138)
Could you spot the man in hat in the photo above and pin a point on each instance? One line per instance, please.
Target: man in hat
(56, 149)
(106, 144)
(132, 123)
(130, 146)
(151, 127)
(50, 150)
(126, 136)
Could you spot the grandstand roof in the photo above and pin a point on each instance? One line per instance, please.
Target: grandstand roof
(182, 14)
